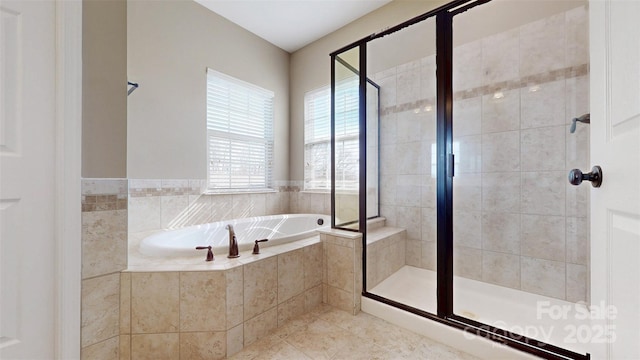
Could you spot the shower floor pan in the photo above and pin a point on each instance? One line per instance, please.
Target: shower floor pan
(558, 322)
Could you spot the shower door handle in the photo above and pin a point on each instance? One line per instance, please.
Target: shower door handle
(595, 176)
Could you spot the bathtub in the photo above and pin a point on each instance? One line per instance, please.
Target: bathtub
(279, 229)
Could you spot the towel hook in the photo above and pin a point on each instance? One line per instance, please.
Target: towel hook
(133, 88)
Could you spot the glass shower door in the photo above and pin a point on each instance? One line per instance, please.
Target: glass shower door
(401, 258)
(520, 74)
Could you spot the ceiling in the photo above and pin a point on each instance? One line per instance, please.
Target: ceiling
(292, 24)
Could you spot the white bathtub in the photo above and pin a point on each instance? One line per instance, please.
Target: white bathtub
(279, 229)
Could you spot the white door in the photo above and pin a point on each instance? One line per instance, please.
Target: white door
(27, 179)
(615, 211)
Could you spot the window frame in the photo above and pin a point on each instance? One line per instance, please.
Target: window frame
(248, 134)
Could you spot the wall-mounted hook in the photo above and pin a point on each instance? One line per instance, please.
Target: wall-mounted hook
(133, 87)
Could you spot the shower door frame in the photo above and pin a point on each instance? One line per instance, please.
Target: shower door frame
(445, 171)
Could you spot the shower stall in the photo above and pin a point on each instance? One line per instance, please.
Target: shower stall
(468, 119)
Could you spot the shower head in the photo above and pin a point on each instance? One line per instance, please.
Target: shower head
(585, 119)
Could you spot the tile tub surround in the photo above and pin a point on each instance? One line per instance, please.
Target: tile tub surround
(192, 309)
(104, 255)
(517, 222)
(174, 203)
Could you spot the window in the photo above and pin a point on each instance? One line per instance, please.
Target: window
(317, 137)
(239, 134)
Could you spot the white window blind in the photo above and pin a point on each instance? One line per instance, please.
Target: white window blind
(239, 134)
(317, 131)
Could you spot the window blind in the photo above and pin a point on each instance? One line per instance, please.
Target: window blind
(239, 134)
(317, 171)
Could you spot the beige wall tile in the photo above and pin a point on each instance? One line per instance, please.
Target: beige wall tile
(411, 154)
(340, 267)
(577, 43)
(428, 254)
(467, 229)
(155, 346)
(290, 275)
(543, 149)
(501, 269)
(260, 326)
(125, 303)
(235, 296)
(104, 242)
(501, 232)
(468, 192)
(260, 287)
(247, 205)
(501, 151)
(407, 127)
(100, 309)
(203, 345)
(544, 277)
(104, 350)
(408, 84)
(578, 204)
(413, 253)
(144, 213)
(410, 218)
(501, 113)
(468, 114)
(155, 302)
(542, 45)
(543, 237)
(429, 225)
(407, 186)
(501, 192)
(469, 154)
(578, 244)
(201, 210)
(543, 107)
(577, 283)
(341, 299)
(500, 57)
(543, 193)
(312, 265)
(428, 191)
(203, 301)
(235, 340)
(467, 262)
(173, 210)
(467, 70)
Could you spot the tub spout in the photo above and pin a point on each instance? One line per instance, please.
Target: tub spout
(233, 243)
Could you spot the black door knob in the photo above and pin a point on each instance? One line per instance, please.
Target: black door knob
(595, 176)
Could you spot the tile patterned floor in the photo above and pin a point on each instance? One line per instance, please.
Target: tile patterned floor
(329, 333)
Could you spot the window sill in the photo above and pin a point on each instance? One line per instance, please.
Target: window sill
(316, 191)
(239, 192)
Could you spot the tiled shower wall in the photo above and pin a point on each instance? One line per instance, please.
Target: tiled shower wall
(517, 221)
(104, 255)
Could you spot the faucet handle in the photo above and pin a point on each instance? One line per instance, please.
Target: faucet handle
(209, 252)
(256, 247)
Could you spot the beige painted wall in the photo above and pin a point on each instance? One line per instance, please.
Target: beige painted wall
(170, 45)
(104, 93)
(311, 65)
